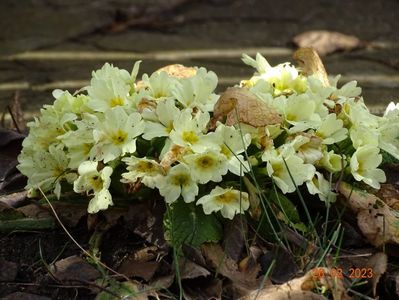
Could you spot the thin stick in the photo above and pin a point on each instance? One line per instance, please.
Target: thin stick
(77, 244)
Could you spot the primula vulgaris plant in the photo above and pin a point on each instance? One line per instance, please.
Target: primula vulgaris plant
(325, 133)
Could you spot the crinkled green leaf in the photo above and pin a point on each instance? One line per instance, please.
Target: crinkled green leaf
(186, 223)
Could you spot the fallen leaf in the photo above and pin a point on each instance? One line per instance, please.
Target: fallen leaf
(378, 263)
(326, 42)
(34, 210)
(194, 254)
(284, 268)
(178, 71)
(14, 199)
(139, 263)
(145, 270)
(301, 288)
(208, 289)
(175, 70)
(190, 270)
(242, 281)
(10, 147)
(24, 296)
(146, 220)
(240, 105)
(311, 64)
(74, 269)
(15, 110)
(171, 156)
(389, 193)
(8, 270)
(377, 221)
(234, 237)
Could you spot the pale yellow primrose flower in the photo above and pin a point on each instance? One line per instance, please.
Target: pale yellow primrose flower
(228, 201)
(197, 91)
(116, 134)
(189, 131)
(389, 132)
(92, 181)
(157, 87)
(307, 146)
(79, 143)
(300, 111)
(332, 162)
(364, 163)
(321, 186)
(109, 87)
(45, 169)
(278, 170)
(207, 166)
(160, 122)
(361, 135)
(284, 78)
(331, 130)
(232, 142)
(148, 170)
(178, 181)
(391, 108)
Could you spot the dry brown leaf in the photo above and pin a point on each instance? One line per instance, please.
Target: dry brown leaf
(146, 104)
(311, 64)
(234, 237)
(389, 193)
(15, 199)
(326, 42)
(210, 289)
(190, 270)
(239, 105)
(171, 156)
(242, 281)
(301, 288)
(74, 268)
(178, 71)
(378, 263)
(145, 270)
(377, 221)
(175, 70)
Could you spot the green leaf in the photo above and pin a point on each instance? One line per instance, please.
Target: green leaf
(186, 223)
(288, 210)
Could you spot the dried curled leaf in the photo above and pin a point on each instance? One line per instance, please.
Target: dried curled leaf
(377, 221)
(302, 288)
(311, 64)
(176, 70)
(379, 264)
(217, 259)
(239, 105)
(326, 42)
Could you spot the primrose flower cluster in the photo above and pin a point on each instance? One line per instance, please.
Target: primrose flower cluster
(83, 138)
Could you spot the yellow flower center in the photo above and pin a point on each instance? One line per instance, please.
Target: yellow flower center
(146, 167)
(169, 128)
(86, 148)
(205, 162)
(226, 151)
(117, 101)
(119, 137)
(180, 179)
(190, 137)
(96, 182)
(227, 197)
